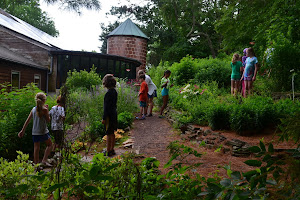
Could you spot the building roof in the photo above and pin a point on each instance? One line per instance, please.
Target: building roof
(11, 56)
(128, 28)
(15, 24)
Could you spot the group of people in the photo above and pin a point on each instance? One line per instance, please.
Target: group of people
(41, 115)
(40, 133)
(148, 92)
(244, 70)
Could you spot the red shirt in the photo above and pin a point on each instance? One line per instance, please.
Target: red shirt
(143, 91)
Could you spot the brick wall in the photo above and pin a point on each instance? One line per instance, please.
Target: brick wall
(128, 46)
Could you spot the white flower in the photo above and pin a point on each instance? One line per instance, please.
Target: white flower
(184, 96)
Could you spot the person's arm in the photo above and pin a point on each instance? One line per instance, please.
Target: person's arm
(21, 133)
(255, 72)
(242, 75)
(164, 84)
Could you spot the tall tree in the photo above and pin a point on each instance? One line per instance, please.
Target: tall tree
(166, 43)
(76, 5)
(194, 20)
(30, 11)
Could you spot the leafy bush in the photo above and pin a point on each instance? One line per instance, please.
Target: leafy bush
(15, 107)
(83, 79)
(219, 117)
(184, 71)
(125, 119)
(284, 57)
(87, 105)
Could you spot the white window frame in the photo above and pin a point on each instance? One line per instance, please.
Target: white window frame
(11, 77)
(40, 81)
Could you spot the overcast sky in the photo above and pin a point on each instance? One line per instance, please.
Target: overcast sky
(80, 32)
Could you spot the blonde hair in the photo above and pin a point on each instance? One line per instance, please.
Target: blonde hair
(235, 58)
(40, 99)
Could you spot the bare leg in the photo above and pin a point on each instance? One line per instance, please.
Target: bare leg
(151, 104)
(47, 150)
(165, 103)
(110, 142)
(232, 87)
(36, 152)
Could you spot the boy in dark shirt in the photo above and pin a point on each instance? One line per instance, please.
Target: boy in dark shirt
(110, 118)
(143, 96)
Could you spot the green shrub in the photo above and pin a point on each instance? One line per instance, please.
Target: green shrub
(96, 130)
(184, 71)
(125, 119)
(83, 79)
(16, 106)
(219, 117)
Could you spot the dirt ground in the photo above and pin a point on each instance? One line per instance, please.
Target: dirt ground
(153, 135)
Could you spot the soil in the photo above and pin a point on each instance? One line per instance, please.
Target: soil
(153, 135)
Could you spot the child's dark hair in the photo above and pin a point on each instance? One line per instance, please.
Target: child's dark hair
(142, 76)
(167, 72)
(109, 81)
(251, 51)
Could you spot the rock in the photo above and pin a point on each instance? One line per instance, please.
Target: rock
(207, 141)
(212, 138)
(192, 136)
(183, 129)
(235, 142)
(222, 138)
(207, 132)
(209, 146)
(216, 133)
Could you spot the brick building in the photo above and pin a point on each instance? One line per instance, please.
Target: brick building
(129, 41)
(28, 55)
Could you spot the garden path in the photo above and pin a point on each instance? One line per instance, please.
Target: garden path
(152, 136)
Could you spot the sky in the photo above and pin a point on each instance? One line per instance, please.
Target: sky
(81, 32)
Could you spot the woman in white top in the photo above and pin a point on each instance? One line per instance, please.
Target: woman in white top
(151, 92)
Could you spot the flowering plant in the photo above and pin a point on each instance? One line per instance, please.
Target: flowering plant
(189, 91)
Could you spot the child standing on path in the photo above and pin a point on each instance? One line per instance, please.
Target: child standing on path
(249, 75)
(110, 117)
(57, 114)
(165, 85)
(143, 96)
(40, 132)
(236, 67)
(151, 93)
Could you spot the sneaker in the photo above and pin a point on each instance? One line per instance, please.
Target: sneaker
(111, 153)
(149, 115)
(140, 118)
(45, 165)
(161, 116)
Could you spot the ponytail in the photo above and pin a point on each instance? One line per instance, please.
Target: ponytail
(40, 99)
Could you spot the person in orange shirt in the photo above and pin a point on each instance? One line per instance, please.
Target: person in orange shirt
(143, 96)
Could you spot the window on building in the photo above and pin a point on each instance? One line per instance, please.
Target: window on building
(37, 80)
(15, 79)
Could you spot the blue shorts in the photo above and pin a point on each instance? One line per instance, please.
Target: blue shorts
(165, 92)
(143, 104)
(154, 94)
(40, 138)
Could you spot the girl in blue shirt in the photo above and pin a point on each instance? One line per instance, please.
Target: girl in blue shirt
(249, 75)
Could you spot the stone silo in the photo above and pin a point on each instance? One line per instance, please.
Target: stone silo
(129, 41)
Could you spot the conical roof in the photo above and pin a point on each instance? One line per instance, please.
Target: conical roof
(128, 28)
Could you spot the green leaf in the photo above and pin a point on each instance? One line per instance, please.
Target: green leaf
(271, 182)
(56, 194)
(103, 178)
(255, 149)
(225, 182)
(271, 148)
(91, 189)
(267, 158)
(262, 146)
(203, 193)
(254, 163)
(56, 186)
(249, 174)
(236, 175)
